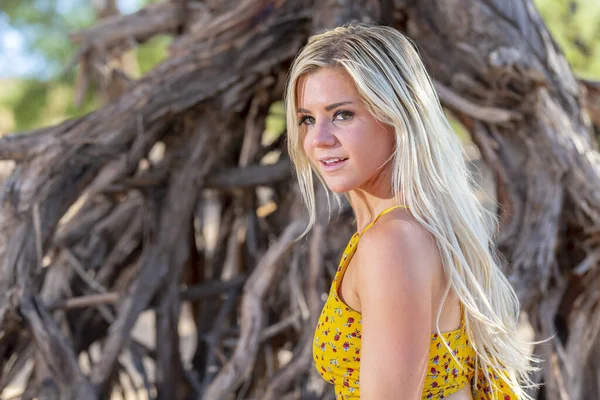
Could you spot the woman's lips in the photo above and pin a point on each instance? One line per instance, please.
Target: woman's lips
(334, 165)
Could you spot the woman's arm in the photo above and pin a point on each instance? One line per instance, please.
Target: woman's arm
(396, 265)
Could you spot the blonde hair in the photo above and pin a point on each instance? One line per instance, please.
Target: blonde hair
(429, 175)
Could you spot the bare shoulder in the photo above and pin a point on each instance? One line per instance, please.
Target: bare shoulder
(396, 277)
(397, 261)
(397, 241)
(396, 274)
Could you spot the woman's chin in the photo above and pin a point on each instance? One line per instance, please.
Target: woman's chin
(339, 187)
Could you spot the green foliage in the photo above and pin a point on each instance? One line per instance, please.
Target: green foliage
(152, 53)
(30, 103)
(48, 98)
(46, 26)
(275, 123)
(575, 25)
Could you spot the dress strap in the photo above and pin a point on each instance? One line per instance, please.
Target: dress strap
(387, 210)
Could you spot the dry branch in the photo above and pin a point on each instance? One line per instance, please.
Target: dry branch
(591, 97)
(239, 366)
(165, 258)
(104, 229)
(132, 29)
(56, 352)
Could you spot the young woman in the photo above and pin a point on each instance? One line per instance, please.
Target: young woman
(419, 308)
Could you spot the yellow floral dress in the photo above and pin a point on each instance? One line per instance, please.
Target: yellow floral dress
(337, 342)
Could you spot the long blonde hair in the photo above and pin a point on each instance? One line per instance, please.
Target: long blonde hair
(429, 175)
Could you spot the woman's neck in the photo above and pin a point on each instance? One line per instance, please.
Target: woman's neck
(368, 205)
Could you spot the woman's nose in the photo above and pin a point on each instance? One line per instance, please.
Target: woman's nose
(323, 137)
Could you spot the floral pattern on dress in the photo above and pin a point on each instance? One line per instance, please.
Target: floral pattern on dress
(337, 344)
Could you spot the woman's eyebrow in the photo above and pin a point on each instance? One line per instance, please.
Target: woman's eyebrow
(327, 108)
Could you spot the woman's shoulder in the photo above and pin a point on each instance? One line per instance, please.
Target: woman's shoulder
(397, 234)
(397, 244)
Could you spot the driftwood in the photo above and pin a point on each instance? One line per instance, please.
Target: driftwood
(153, 201)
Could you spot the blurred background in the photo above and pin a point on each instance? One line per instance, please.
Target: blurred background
(37, 87)
(41, 85)
(35, 51)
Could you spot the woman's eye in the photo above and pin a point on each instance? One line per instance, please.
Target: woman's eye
(343, 115)
(306, 120)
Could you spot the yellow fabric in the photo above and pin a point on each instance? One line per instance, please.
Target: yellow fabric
(337, 341)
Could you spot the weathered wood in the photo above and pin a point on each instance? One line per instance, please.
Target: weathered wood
(124, 230)
(57, 354)
(165, 259)
(251, 314)
(135, 28)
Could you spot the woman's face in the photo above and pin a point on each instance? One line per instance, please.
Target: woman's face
(343, 141)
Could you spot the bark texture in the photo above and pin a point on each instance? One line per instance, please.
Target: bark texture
(155, 200)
